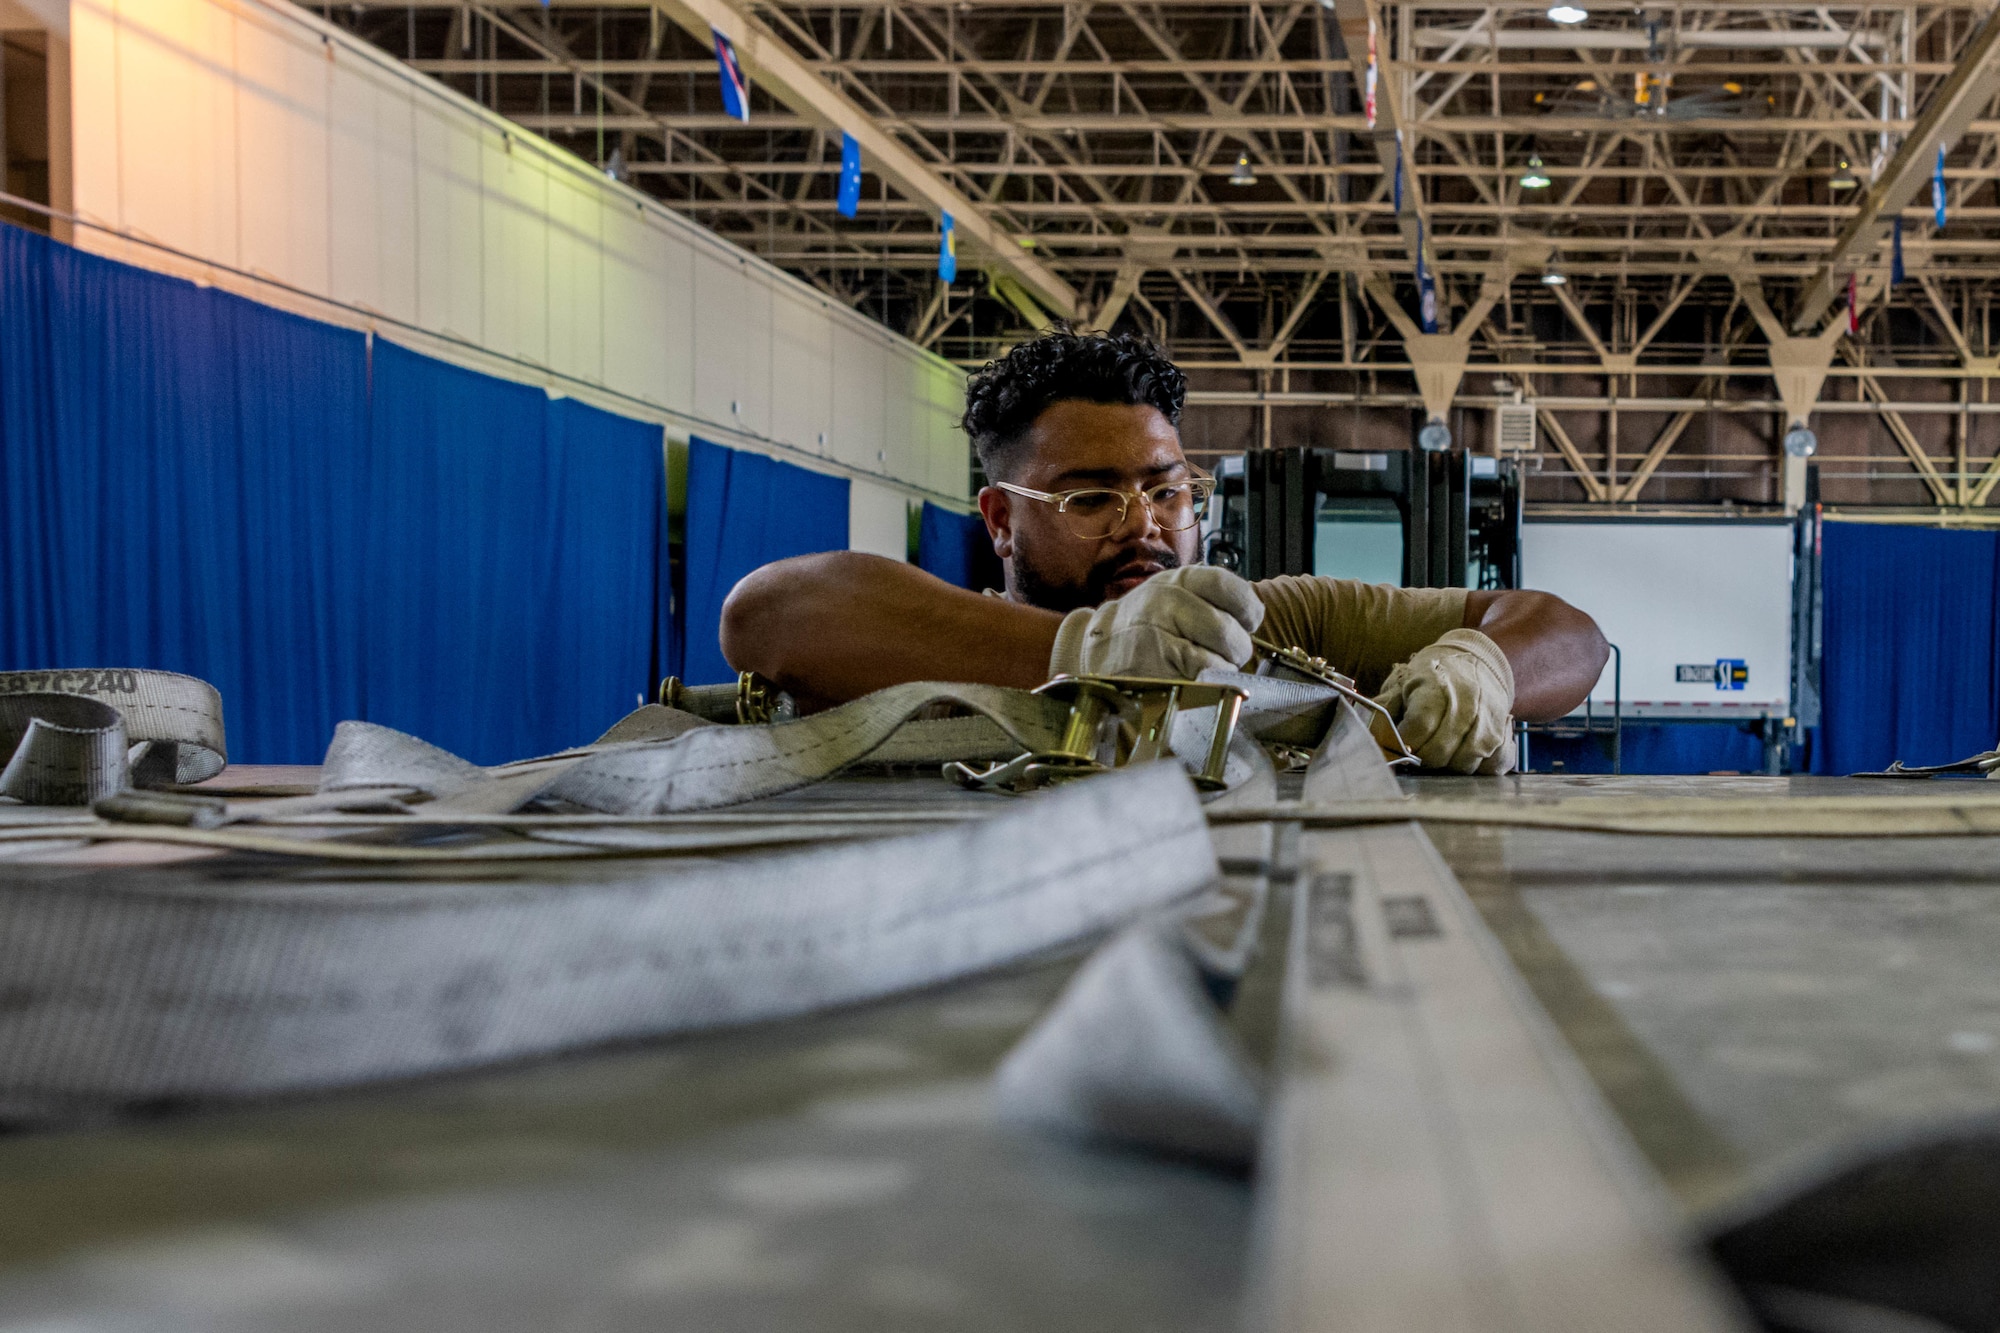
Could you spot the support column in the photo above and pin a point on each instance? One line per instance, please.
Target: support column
(1438, 359)
(1798, 370)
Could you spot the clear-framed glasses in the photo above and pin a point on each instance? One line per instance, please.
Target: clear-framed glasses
(1096, 511)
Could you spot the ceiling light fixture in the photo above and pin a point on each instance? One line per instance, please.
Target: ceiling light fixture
(1534, 178)
(1567, 13)
(1243, 175)
(1553, 278)
(1843, 177)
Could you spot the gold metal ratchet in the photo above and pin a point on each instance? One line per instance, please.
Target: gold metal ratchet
(1299, 661)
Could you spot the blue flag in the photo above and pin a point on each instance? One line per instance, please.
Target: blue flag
(1896, 251)
(735, 88)
(1427, 294)
(1937, 188)
(850, 176)
(1396, 187)
(948, 251)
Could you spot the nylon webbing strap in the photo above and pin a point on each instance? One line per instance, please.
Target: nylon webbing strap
(71, 737)
(189, 986)
(705, 767)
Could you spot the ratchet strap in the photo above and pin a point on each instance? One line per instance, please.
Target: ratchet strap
(188, 984)
(76, 736)
(1986, 763)
(699, 766)
(200, 982)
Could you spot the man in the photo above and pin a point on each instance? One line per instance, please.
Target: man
(1094, 510)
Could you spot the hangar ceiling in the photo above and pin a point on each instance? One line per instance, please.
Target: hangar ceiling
(1209, 172)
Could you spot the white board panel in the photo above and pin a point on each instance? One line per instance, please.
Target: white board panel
(1674, 594)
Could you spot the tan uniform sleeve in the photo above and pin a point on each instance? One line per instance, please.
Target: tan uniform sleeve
(1363, 629)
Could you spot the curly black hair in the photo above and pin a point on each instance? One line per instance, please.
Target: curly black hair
(1003, 397)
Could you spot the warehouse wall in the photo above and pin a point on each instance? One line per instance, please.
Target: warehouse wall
(254, 136)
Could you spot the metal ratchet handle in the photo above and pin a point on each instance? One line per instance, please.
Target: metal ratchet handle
(1295, 659)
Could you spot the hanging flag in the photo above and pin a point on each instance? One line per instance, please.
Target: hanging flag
(1396, 180)
(850, 176)
(1896, 251)
(1853, 307)
(1427, 296)
(948, 251)
(1368, 96)
(735, 88)
(1937, 188)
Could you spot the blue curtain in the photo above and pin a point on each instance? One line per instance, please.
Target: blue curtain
(746, 510)
(1656, 747)
(955, 547)
(195, 482)
(181, 482)
(1909, 669)
(517, 561)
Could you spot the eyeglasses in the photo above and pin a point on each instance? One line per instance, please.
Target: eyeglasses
(1098, 512)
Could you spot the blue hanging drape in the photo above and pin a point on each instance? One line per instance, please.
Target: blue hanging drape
(746, 510)
(955, 547)
(181, 484)
(1911, 635)
(517, 561)
(1656, 747)
(195, 482)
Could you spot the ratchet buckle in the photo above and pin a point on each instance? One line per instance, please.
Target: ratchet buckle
(1115, 721)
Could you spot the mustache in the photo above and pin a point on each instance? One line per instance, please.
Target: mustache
(1106, 571)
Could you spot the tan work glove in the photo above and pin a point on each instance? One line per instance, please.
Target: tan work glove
(1453, 702)
(1173, 626)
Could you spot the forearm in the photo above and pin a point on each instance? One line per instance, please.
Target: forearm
(833, 627)
(1555, 650)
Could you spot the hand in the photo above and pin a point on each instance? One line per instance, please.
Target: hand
(1454, 702)
(1173, 626)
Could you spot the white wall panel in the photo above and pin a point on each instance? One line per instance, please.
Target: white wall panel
(281, 153)
(800, 370)
(576, 277)
(721, 343)
(173, 174)
(357, 242)
(859, 368)
(515, 214)
(878, 520)
(249, 135)
(648, 286)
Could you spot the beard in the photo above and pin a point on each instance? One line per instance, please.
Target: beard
(1037, 589)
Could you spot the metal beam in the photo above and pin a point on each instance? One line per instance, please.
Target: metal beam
(1360, 24)
(1964, 94)
(1654, 456)
(789, 78)
(1593, 487)
(1215, 316)
(1912, 447)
